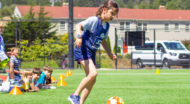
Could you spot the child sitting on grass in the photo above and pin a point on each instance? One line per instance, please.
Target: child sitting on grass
(14, 72)
(41, 83)
(49, 80)
(27, 79)
(35, 76)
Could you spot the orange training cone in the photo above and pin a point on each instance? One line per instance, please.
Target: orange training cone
(61, 77)
(62, 83)
(53, 79)
(69, 73)
(16, 91)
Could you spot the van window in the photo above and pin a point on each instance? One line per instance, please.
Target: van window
(147, 46)
(159, 46)
(174, 46)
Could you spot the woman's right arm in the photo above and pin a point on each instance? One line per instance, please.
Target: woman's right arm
(78, 41)
(88, 24)
(79, 29)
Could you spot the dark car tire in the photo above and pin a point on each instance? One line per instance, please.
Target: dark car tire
(165, 64)
(139, 64)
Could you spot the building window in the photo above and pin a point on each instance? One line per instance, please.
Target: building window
(176, 27)
(144, 27)
(62, 25)
(128, 26)
(121, 26)
(139, 27)
(187, 27)
(125, 26)
(166, 27)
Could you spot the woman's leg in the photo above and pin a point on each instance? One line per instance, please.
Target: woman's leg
(90, 78)
(86, 91)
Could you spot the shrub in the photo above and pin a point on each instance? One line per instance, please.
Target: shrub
(186, 44)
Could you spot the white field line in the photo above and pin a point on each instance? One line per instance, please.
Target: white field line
(129, 73)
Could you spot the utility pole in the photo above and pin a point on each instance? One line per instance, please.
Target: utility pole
(70, 28)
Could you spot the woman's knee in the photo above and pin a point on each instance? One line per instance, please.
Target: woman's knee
(93, 75)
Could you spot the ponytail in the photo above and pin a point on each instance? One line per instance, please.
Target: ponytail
(108, 4)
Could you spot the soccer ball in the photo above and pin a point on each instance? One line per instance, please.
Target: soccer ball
(115, 100)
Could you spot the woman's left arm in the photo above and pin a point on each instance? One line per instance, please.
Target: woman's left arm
(108, 50)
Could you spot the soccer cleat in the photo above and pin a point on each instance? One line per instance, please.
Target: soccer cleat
(74, 99)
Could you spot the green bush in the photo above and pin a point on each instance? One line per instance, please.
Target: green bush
(118, 49)
(186, 44)
(51, 48)
(106, 62)
(128, 56)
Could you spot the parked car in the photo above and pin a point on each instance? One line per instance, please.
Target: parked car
(166, 54)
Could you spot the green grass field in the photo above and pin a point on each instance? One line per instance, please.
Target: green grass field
(134, 86)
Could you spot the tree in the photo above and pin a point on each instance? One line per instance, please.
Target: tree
(172, 5)
(155, 4)
(52, 48)
(88, 3)
(130, 4)
(143, 5)
(121, 3)
(177, 4)
(9, 32)
(31, 27)
(6, 11)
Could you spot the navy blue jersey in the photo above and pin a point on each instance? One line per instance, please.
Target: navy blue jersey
(91, 41)
(16, 63)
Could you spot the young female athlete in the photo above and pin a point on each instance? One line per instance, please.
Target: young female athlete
(90, 34)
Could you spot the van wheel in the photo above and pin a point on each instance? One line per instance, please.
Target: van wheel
(139, 64)
(165, 64)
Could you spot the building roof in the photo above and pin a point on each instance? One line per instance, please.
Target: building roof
(124, 13)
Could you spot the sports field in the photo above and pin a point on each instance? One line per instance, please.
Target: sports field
(134, 86)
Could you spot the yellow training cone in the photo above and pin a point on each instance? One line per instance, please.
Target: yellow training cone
(69, 73)
(62, 83)
(157, 71)
(61, 77)
(53, 79)
(16, 91)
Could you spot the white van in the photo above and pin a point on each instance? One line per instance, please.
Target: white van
(167, 53)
